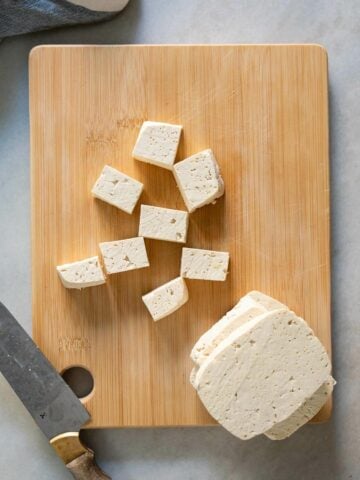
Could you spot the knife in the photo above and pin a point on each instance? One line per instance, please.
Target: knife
(49, 400)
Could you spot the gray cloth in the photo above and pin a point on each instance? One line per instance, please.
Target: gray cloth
(23, 16)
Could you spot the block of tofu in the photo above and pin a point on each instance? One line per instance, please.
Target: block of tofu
(199, 180)
(163, 224)
(302, 415)
(253, 304)
(118, 189)
(122, 255)
(201, 264)
(167, 298)
(249, 306)
(82, 274)
(262, 373)
(157, 144)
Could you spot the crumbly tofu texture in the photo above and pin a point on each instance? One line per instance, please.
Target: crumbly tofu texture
(302, 415)
(163, 224)
(274, 356)
(117, 189)
(167, 298)
(157, 144)
(82, 274)
(204, 264)
(199, 180)
(123, 255)
(253, 304)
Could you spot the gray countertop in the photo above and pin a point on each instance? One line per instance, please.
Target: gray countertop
(329, 451)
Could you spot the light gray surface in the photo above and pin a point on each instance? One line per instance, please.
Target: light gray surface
(330, 451)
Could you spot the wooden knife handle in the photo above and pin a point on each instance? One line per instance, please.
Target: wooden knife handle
(85, 468)
(79, 459)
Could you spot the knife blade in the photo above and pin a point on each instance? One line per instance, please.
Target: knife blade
(49, 400)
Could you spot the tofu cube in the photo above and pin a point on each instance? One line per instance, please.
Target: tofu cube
(82, 274)
(157, 144)
(163, 224)
(117, 189)
(167, 298)
(199, 180)
(123, 255)
(204, 264)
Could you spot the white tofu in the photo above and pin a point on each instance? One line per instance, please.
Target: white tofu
(204, 264)
(306, 412)
(199, 180)
(192, 377)
(117, 189)
(82, 274)
(123, 255)
(157, 144)
(262, 373)
(256, 298)
(253, 304)
(163, 224)
(300, 417)
(167, 298)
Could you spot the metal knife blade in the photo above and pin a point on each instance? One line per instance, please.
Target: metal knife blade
(49, 400)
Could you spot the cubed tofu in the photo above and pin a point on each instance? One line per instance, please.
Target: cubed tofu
(199, 180)
(163, 224)
(123, 255)
(117, 189)
(262, 373)
(204, 264)
(157, 144)
(166, 299)
(82, 274)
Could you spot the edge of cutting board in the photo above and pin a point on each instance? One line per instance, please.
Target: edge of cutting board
(325, 413)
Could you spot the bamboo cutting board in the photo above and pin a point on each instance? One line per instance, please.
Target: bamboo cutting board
(264, 112)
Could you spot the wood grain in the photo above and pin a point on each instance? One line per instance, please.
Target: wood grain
(264, 112)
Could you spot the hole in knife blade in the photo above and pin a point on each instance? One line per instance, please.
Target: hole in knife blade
(80, 380)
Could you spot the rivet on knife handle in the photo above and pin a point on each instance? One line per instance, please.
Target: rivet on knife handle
(79, 459)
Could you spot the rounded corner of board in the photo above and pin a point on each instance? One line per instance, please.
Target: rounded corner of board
(35, 52)
(321, 51)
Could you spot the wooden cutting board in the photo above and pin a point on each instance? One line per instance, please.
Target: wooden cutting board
(264, 112)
